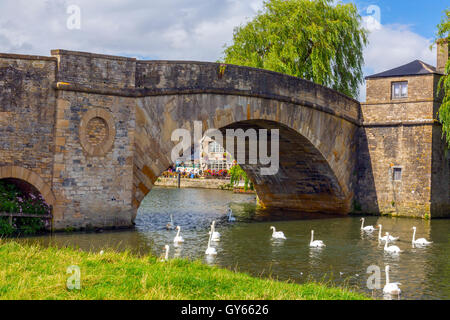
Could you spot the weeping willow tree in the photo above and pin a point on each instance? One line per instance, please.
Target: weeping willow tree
(444, 84)
(237, 175)
(311, 39)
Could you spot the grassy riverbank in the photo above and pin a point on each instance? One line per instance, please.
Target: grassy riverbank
(33, 272)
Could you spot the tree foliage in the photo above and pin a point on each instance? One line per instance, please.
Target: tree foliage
(310, 39)
(237, 174)
(444, 84)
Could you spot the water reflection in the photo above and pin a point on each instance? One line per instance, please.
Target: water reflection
(247, 244)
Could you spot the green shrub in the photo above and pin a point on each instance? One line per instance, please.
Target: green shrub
(13, 200)
(5, 228)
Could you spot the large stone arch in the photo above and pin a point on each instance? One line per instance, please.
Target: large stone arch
(325, 144)
(20, 173)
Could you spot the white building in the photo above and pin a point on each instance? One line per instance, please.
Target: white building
(213, 156)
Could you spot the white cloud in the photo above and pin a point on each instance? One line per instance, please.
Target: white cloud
(391, 46)
(159, 29)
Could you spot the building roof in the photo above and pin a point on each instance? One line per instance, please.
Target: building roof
(414, 68)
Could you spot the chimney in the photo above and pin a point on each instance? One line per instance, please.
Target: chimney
(442, 55)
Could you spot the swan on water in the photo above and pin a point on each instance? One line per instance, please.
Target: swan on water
(178, 238)
(166, 257)
(215, 236)
(210, 250)
(170, 225)
(391, 249)
(230, 215)
(277, 234)
(367, 228)
(421, 241)
(391, 288)
(315, 243)
(380, 238)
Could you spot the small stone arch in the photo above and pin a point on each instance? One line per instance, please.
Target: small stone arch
(20, 173)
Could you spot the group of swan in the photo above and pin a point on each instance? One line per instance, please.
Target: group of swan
(313, 244)
(394, 249)
(389, 238)
(213, 235)
(391, 288)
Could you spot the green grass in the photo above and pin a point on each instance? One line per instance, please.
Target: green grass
(34, 272)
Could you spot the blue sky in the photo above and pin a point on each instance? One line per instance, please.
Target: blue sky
(423, 16)
(198, 29)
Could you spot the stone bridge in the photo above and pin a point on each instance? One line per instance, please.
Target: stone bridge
(92, 133)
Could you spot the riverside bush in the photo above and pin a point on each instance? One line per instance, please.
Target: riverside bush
(14, 200)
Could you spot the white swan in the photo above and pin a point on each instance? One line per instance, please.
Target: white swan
(277, 234)
(178, 238)
(170, 225)
(421, 241)
(367, 228)
(210, 250)
(315, 243)
(391, 288)
(230, 215)
(391, 249)
(215, 236)
(380, 238)
(166, 257)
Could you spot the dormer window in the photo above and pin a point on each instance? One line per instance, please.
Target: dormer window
(399, 90)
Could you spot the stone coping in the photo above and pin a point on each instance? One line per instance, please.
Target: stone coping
(243, 68)
(90, 55)
(399, 101)
(26, 57)
(402, 123)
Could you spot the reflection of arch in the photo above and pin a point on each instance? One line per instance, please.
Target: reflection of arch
(12, 172)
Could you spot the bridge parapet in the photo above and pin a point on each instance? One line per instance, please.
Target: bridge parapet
(153, 77)
(111, 75)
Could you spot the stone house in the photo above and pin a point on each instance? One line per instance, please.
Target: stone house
(404, 164)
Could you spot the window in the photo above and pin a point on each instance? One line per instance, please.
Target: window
(217, 165)
(397, 174)
(399, 90)
(215, 147)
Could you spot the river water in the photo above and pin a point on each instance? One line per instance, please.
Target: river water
(247, 245)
